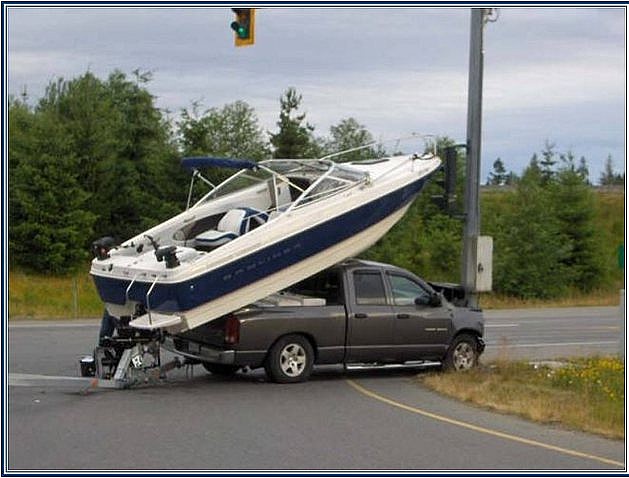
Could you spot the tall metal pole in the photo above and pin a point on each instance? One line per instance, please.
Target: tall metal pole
(474, 114)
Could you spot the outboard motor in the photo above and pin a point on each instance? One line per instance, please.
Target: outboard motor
(167, 253)
(102, 246)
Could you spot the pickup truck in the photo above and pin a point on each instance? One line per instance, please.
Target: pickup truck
(357, 312)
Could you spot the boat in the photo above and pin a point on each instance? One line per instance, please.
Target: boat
(267, 226)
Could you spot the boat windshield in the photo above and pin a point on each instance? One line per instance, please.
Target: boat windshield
(308, 179)
(243, 179)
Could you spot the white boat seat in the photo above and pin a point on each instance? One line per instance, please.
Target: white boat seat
(233, 224)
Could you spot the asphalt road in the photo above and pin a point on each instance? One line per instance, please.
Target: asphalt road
(552, 333)
(360, 420)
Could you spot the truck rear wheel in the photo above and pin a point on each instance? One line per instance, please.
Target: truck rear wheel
(290, 360)
(462, 354)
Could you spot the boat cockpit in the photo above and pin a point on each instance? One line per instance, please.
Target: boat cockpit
(255, 195)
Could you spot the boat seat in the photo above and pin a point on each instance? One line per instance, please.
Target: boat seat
(233, 224)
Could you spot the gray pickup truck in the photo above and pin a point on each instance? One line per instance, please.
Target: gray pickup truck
(357, 312)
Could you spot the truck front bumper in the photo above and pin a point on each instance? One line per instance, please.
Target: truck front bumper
(198, 351)
(481, 345)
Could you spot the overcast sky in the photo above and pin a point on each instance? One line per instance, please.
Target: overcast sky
(550, 74)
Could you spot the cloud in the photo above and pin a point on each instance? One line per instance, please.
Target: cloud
(556, 73)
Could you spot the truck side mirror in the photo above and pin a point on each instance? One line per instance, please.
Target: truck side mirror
(435, 300)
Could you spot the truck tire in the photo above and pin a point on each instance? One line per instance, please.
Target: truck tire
(290, 360)
(222, 369)
(462, 355)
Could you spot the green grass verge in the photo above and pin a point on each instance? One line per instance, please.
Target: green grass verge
(584, 394)
(37, 296)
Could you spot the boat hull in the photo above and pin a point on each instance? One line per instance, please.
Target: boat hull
(271, 268)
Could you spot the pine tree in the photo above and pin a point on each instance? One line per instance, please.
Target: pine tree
(547, 163)
(498, 176)
(294, 139)
(574, 208)
(609, 177)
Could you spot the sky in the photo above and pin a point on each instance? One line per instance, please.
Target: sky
(553, 75)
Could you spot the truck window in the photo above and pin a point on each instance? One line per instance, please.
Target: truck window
(369, 288)
(405, 290)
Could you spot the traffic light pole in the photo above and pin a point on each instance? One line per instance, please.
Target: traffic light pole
(472, 178)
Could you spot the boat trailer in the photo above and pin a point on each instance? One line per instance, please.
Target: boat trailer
(131, 358)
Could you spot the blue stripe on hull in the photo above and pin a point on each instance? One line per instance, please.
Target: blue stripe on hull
(194, 292)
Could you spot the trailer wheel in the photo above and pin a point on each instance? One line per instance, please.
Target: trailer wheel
(220, 368)
(462, 354)
(290, 360)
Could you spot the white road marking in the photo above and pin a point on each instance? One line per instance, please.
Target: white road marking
(30, 380)
(490, 326)
(53, 325)
(554, 344)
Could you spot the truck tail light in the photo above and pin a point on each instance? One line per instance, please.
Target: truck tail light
(232, 330)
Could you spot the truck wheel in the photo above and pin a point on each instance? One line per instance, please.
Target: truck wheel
(290, 360)
(462, 354)
(220, 368)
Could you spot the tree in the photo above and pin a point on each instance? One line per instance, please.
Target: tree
(50, 220)
(498, 176)
(294, 138)
(349, 134)
(609, 177)
(533, 172)
(529, 247)
(574, 208)
(548, 161)
(98, 158)
(232, 131)
(583, 171)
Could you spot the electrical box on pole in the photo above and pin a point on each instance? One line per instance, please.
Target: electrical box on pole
(484, 264)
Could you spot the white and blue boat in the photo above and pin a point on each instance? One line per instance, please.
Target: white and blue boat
(268, 226)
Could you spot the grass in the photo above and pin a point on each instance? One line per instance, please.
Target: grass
(572, 299)
(584, 394)
(37, 296)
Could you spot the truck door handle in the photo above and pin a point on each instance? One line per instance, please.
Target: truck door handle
(360, 315)
(403, 316)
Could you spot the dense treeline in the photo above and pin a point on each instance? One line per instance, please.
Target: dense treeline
(96, 157)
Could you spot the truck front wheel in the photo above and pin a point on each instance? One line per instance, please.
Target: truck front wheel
(290, 360)
(462, 354)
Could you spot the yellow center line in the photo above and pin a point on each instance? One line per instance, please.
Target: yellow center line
(479, 429)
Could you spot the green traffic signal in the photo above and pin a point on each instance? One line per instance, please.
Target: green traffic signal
(241, 30)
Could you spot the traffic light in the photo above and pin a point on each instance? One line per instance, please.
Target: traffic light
(244, 26)
(447, 182)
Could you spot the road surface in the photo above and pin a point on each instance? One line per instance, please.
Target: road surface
(360, 420)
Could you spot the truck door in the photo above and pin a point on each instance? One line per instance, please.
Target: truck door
(420, 330)
(370, 319)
